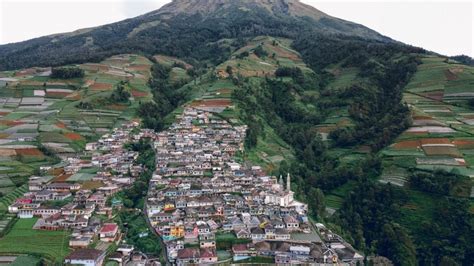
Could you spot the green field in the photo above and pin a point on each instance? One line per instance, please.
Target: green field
(26, 260)
(22, 239)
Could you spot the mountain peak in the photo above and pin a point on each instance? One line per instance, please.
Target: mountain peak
(179, 28)
(205, 7)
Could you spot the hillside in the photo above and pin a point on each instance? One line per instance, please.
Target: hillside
(42, 118)
(377, 135)
(181, 28)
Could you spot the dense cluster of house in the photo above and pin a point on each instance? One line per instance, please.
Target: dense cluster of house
(200, 196)
(68, 205)
(200, 193)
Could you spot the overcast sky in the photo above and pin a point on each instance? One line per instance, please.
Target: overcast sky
(445, 26)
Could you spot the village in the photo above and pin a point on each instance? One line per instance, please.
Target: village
(208, 207)
(205, 203)
(70, 206)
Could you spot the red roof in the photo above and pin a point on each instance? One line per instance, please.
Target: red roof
(85, 254)
(24, 200)
(208, 253)
(239, 247)
(188, 253)
(108, 228)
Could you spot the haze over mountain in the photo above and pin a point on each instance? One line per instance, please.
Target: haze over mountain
(150, 33)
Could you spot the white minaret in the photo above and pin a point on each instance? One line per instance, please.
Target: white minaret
(280, 182)
(288, 183)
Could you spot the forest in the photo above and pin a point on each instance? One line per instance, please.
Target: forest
(166, 98)
(67, 73)
(370, 213)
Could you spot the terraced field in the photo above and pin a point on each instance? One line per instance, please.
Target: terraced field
(442, 132)
(441, 137)
(246, 63)
(40, 116)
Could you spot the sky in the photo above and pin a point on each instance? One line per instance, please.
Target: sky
(442, 26)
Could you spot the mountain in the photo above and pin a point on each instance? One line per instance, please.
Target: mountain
(377, 135)
(192, 24)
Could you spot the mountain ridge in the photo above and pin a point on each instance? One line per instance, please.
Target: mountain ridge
(288, 7)
(158, 31)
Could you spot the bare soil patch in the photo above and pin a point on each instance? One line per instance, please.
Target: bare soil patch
(29, 152)
(451, 151)
(7, 152)
(101, 86)
(60, 125)
(428, 141)
(11, 123)
(450, 75)
(139, 68)
(56, 94)
(62, 178)
(434, 95)
(464, 144)
(139, 94)
(407, 144)
(212, 103)
(73, 136)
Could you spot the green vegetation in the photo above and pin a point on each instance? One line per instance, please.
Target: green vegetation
(324, 107)
(224, 241)
(166, 98)
(131, 220)
(257, 260)
(22, 239)
(71, 113)
(23, 260)
(120, 95)
(137, 232)
(438, 182)
(67, 73)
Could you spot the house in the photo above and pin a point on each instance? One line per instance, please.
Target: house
(191, 235)
(243, 251)
(257, 234)
(45, 212)
(207, 240)
(208, 256)
(25, 213)
(282, 234)
(109, 232)
(44, 195)
(63, 187)
(283, 259)
(188, 256)
(80, 241)
(242, 233)
(177, 231)
(86, 257)
(291, 223)
(203, 229)
(300, 250)
(37, 183)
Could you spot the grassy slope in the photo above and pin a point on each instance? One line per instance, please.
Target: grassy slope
(23, 239)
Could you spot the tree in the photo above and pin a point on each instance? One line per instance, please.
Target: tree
(317, 202)
(67, 73)
(120, 95)
(396, 244)
(229, 70)
(260, 52)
